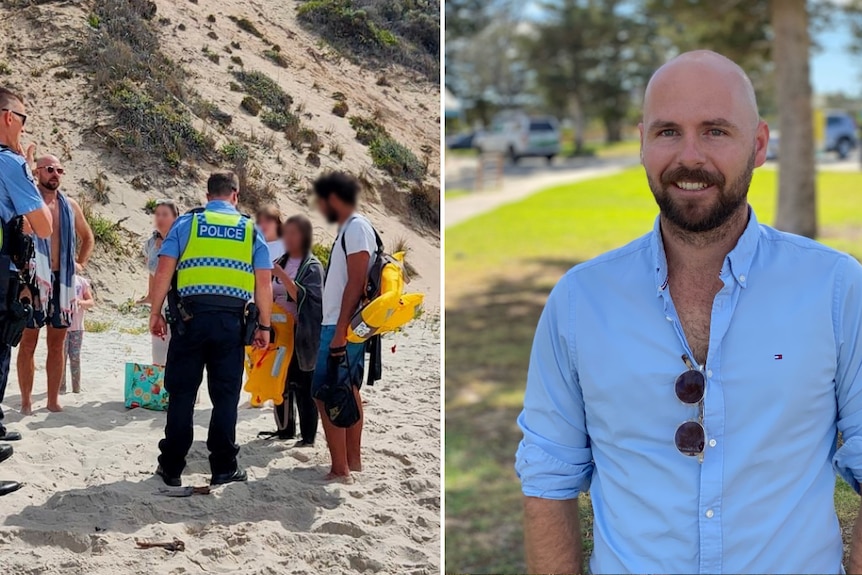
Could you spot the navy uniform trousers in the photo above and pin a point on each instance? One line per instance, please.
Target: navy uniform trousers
(212, 339)
(5, 357)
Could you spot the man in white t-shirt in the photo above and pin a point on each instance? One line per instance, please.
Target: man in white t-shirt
(350, 261)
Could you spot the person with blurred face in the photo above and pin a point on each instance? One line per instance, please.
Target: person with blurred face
(270, 222)
(164, 216)
(695, 380)
(18, 197)
(53, 290)
(346, 278)
(297, 287)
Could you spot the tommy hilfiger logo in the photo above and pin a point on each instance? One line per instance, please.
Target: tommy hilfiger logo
(778, 356)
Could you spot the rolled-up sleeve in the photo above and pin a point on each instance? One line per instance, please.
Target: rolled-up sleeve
(173, 244)
(554, 460)
(848, 376)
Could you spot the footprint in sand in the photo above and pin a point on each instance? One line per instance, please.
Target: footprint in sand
(335, 528)
(300, 456)
(399, 456)
(362, 564)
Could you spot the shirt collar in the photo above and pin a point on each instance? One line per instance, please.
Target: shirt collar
(221, 206)
(739, 259)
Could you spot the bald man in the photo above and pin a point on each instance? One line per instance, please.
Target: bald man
(695, 379)
(53, 292)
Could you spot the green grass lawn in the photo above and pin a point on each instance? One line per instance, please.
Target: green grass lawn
(499, 269)
(456, 193)
(603, 149)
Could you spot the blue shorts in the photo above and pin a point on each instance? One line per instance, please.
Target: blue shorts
(355, 358)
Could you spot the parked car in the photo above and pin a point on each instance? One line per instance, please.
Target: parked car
(461, 141)
(841, 136)
(841, 133)
(520, 136)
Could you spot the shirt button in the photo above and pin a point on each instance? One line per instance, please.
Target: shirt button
(742, 278)
(709, 373)
(709, 513)
(668, 318)
(712, 443)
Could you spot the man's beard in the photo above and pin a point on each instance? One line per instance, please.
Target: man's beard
(52, 185)
(678, 212)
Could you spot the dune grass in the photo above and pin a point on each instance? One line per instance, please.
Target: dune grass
(499, 269)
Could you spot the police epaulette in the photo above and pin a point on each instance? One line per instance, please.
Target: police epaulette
(198, 210)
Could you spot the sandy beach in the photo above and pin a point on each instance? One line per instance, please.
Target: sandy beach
(90, 492)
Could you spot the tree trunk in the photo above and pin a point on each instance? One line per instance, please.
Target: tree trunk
(579, 126)
(797, 210)
(613, 130)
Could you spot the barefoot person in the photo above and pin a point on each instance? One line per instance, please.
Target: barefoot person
(164, 216)
(695, 380)
(53, 294)
(346, 279)
(18, 197)
(297, 286)
(75, 333)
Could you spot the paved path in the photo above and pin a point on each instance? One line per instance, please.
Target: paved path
(519, 182)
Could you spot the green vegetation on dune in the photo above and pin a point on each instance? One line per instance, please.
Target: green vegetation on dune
(389, 155)
(499, 269)
(143, 87)
(404, 31)
(155, 126)
(264, 88)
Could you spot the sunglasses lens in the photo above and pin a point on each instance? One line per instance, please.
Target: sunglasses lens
(690, 386)
(690, 438)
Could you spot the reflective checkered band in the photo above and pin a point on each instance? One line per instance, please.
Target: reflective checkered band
(215, 263)
(215, 290)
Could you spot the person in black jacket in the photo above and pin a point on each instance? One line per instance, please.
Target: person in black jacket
(298, 289)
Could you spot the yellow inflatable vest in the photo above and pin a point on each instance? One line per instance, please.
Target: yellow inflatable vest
(389, 311)
(266, 369)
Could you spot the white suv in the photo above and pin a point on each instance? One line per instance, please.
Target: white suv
(520, 136)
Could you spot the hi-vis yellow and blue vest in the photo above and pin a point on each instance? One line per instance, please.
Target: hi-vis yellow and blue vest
(218, 257)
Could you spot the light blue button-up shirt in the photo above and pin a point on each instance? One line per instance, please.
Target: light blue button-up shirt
(784, 375)
(177, 239)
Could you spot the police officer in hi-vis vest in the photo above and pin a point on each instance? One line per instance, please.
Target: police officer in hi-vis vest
(217, 261)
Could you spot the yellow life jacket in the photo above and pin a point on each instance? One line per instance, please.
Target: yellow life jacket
(218, 257)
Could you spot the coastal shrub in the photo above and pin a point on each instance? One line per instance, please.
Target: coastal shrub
(250, 105)
(143, 88)
(279, 121)
(340, 109)
(396, 159)
(277, 57)
(264, 89)
(159, 127)
(423, 203)
(385, 31)
(322, 253)
(247, 25)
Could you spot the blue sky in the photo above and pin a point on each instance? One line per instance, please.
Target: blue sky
(833, 69)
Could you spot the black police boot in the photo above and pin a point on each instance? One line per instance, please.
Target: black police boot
(5, 452)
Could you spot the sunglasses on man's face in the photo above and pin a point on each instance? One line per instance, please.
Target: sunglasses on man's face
(690, 388)
(52, 169)
(23, 117)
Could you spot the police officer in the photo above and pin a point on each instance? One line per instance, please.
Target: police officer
(18, 197)
(221, 262)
